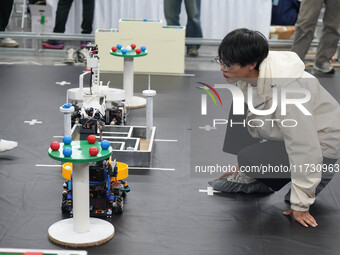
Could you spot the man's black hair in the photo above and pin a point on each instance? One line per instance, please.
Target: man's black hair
(243, 46)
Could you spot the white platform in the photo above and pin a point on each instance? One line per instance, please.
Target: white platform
(135, 102)
(111, 94)
(62, 232)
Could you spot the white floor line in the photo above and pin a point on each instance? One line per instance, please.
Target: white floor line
(58, 136)
(150, 168)
(165, 140)
(42, 165)
(20, 62)
(210, 191)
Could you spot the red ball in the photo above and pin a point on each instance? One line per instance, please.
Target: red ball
(138, 51)
(93, 151)
(133, 46)
(55, 146)
(114, 48)
(91, 139)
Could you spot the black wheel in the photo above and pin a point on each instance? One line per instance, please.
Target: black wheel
(65, 207)
(119, 205)
(123, 194)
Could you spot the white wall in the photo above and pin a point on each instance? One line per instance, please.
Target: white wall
(218, 17)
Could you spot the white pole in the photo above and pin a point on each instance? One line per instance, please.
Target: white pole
(149, 94)
(67, 119)
(128, 79)
(81, 201)
(67, 124)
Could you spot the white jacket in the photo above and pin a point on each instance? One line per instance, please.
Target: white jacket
(314, 137)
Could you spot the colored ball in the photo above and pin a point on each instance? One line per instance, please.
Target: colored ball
(105, 144)
(93, 151)
(124, 51)
(91, 139)
(119, 46)
(55, 146)
(67, 152)
(114, 48)
(143, 48)
(145, 20)
(138, 51)
(67, 139)
(133, 46)
(128, 48)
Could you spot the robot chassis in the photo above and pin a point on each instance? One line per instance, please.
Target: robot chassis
(97, 104)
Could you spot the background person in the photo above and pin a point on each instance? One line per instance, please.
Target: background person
(172, 9)
(63, 10)
(6, 7)
(304, 32)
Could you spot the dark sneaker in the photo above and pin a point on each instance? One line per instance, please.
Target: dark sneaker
(83, 55)
(193, 52)
(239, 184)
(325, 68)
(53, 44)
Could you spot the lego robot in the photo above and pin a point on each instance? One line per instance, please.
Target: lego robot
(107, 188)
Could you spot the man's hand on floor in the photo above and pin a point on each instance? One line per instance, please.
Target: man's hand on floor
(304, 218)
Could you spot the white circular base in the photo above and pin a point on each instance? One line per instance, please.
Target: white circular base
(111, 94)
(135, 102)
(100, 231)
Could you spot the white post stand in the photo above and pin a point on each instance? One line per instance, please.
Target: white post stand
(132, 101)
(81, 203)
(149, 94)
(67, 110)
(81, 230)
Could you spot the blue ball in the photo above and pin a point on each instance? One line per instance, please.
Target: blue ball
(67, 139)
(67, 152)
(105, 144)
(119, 46)
(124, 51)
(143, 48)
(145, 20)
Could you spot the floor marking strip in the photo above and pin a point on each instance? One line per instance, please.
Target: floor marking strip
(165, 140)
(151, 168)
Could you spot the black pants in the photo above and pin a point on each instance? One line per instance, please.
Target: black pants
(6, 7)
(63, 10)
(251, 152)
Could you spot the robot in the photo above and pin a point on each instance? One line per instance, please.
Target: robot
(107, 189)
(96, 101)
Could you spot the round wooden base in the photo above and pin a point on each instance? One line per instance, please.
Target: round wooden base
(135, 102)
(100, 231)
